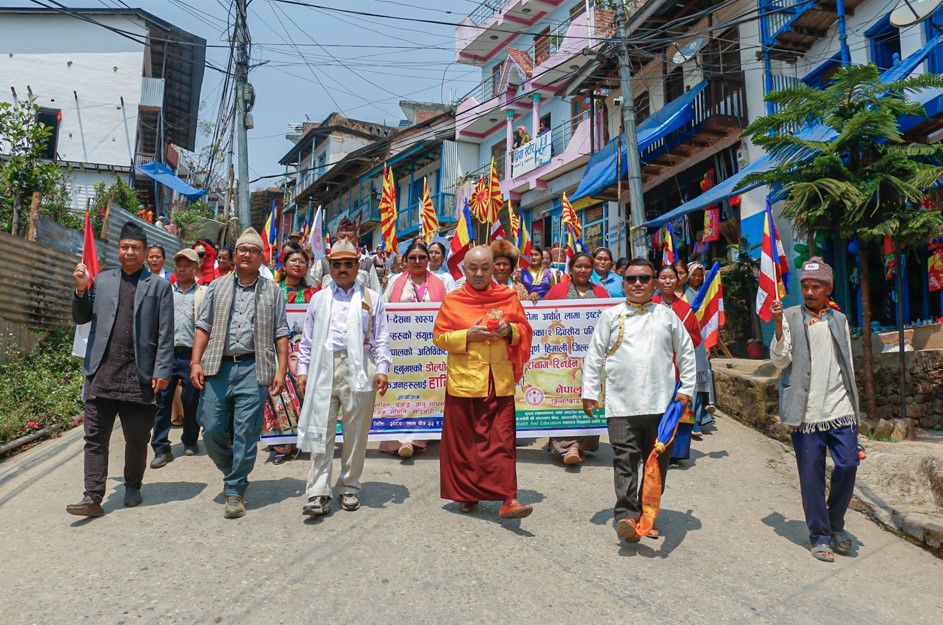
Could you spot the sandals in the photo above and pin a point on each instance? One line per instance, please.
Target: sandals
(280, 459)
(842, 542)
(823, 553)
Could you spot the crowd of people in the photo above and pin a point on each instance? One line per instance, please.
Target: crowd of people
(208, 347)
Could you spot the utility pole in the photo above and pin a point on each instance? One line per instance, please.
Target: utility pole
(241, 37)
(633, 160)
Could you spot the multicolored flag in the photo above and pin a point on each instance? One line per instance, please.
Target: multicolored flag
(708, 307)
(495, 197)
(569, 218)
(773, 277)
(462, 241)
(388, 213)
(524, 244)
(427, 215)
(497, 228)
(669, 253)
(651, 482)
(515, 224)
(270, 232)
(480, 202)
(90, 260)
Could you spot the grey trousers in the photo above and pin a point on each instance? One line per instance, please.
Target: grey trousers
(632, 440)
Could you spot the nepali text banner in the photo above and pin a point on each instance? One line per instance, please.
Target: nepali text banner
(548, 400)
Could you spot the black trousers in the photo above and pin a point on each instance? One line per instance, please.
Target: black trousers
(136, 423)
(632, 440)
(189, 396)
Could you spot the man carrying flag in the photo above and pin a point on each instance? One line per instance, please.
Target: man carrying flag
(774, 268)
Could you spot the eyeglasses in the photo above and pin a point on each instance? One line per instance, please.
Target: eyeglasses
(417, 259)
(250, 251)
(201, 254)
(346, 264)
(644, 279)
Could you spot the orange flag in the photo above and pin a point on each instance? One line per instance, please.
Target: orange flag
(427, 215)
(495, 198)
(388, 212)
(568, 217)
(480, 201)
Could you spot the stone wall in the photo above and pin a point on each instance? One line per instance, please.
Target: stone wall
(924, 386)
(748, 390)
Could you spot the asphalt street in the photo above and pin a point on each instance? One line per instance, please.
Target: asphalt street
(734, 548)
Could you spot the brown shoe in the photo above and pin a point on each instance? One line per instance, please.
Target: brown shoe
(405, 451)
(467, 507)
(572, 456)
(514, 509)
(626, 530)
(86, 507)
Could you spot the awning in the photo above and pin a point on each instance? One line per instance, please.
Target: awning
(728, 187)
(600, 172)
(160, 173)
(907, 66)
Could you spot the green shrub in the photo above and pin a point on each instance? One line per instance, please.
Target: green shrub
(41, 389)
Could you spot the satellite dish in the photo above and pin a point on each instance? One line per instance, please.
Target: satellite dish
(689, 50)
(912, 12)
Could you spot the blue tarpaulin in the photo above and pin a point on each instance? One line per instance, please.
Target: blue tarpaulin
(160, 173)
(601, 170)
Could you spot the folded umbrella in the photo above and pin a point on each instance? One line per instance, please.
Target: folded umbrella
(651, 476)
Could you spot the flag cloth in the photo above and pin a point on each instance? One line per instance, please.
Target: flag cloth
(935, 266)
(388, 212)
(461, 243)
(669, 253)
(568, 217)
(772, 287)
(515, 225)
(524, 244)
(497, 231)
(327, 244)
(495, 197)
(480, 203)
(90, 260)
(651, 475)
(427, 215)
(708, 307)
(267, 231)
(316, 236)
(574, 245)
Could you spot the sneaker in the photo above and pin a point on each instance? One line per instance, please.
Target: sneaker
(350, 502)
(235, 507)
(317, 506)
(132, 497)
(191, 451)
(161, 459)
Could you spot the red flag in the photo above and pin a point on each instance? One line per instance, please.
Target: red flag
(89, 253)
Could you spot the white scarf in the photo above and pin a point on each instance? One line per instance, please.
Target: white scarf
(313, 423)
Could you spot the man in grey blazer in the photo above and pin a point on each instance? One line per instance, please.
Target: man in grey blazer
(127, 362)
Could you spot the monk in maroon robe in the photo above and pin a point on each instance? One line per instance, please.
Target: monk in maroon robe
(485, 331)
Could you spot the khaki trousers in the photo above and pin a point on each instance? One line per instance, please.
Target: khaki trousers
(358, 417)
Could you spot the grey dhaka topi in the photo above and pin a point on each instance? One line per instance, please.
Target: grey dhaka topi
(250, 236)
(816, 269)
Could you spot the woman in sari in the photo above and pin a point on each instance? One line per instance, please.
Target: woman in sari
(415, 284)
(538, 279)
(577, 286)
(667, 296)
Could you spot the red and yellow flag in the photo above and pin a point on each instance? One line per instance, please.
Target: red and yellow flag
(427, 215)
(495, 197)
(480, 201)
(388, 212)
(569, 218)
(515, 224)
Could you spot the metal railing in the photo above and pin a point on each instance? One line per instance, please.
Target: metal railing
(409, 220)
(785, 13)
(486, 9)
(545, 46)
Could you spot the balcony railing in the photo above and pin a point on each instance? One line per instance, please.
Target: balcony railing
(546, 46)
(486, 10)
(409, 220)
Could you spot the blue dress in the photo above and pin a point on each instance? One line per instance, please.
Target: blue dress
(612, 283)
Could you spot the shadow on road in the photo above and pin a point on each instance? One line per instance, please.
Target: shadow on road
(673, 526)
(488, 511)
(697, 455)
(794, 531)
(379, 494)
(154, 493)
(262, 493)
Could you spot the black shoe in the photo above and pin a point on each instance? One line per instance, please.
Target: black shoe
(317, 506)
(191, 451)
(86, 507)
(161, 459)
(132, 497)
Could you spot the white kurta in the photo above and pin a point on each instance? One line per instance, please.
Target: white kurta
(640, 375)
(828, 397)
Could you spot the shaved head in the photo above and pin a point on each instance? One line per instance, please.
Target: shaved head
(479, 267)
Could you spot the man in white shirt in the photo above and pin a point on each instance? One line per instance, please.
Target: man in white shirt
(637, 343)
(819, 400)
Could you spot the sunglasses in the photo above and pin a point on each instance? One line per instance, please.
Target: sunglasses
(201, 254)
(346, 264)
(417, 259)
(644, 279)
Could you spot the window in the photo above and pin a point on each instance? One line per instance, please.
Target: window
(415, 192)
(721, 56)
(674, 84)
(931, 26)
(821, 75)
(542, 46)
(643, 107)
(50, 118)
(497, 152)
(321, 166)
(581, 108)
(884, 39)
(495, 80)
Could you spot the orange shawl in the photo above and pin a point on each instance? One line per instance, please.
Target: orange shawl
(464, 306)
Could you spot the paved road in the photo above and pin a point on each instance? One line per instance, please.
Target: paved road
(733, 549)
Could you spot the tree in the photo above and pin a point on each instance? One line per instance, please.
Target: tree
(23, 169)
(864, 180)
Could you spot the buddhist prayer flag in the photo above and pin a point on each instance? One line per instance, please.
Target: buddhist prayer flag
(316, 236)
(772, 260)
(569, 218)
(708, 307)
(669, 253)
(427, 215)
(480, 202)
(388, 212)
(270, 232)
(327, 244)
(515, 225)
(461, 243)
(651, 481)
(495, 197)
(524, 244)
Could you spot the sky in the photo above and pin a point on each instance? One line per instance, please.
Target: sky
(310, 62)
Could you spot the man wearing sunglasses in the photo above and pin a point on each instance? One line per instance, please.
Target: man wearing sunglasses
(637, 343)
(343, 360)
(366, 276)
(241, 332)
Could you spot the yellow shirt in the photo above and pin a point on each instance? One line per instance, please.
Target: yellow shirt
(470, 364)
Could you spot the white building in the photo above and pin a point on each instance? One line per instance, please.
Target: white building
(119, 85)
